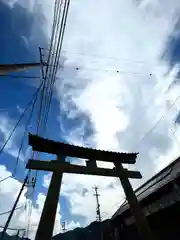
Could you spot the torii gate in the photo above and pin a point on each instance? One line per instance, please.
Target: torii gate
(59, 166)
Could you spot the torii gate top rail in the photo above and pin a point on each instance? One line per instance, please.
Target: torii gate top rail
(45, 145)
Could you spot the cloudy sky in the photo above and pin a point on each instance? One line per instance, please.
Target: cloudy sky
(124, 96)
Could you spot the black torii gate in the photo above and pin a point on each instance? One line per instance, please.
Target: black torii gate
(59, 166)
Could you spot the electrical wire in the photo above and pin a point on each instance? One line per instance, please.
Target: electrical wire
(117, 71)
(24, 135)
(3, 213)
(45, 104)
(175, 137)
(63, 25)
(29, 213)
(14, 229)
(20, 118)
(49, 75)
(19, 76)
(35, 96)
(43, 111)
(51, 45)
(159, 120)
(44, 83)
(46, 94)
(39, 124)
(4, 179)
(145, 190)
(108, 57)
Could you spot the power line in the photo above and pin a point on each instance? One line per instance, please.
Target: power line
(159, 120)
(118, 71)
(24, 135)
(14, 229)
(78, 69)
(44, 106)
(20, 118)
(43, 110)
(14, 207)
(55, 61)
(30, 211)
(108, 57)
(4, 179)
(175, 137)
(32, 102)
(18, 76)
(48, 82)
(46, 96)
(3, 213)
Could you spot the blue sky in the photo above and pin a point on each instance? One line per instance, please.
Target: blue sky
(93, 106)
(16, 25)
(17, 47)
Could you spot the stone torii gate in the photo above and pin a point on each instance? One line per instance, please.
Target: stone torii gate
(59, 166)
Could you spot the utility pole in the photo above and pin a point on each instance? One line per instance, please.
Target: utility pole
(98, 213)
(63, 226)
(42, 63)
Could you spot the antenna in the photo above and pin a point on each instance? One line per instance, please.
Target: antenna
(98, 214)
(63, 227)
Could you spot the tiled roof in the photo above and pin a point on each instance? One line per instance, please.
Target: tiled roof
(165, 176)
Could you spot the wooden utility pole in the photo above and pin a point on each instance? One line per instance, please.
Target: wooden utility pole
(63, 226)
(46, 224)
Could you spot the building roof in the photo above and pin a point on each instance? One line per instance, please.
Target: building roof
(159, 180)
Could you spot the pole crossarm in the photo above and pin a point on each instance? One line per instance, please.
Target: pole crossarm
(66, 167)
(45, 145)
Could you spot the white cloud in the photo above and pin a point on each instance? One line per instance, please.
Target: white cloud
(20, 110)
(25, 41)
(72, 225)
(122, 107)
(79, 191)
(9, 190)
(6, 126)
(10, 3)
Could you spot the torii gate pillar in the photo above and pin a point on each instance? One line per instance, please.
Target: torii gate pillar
(136, 211)
(46, 224)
